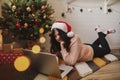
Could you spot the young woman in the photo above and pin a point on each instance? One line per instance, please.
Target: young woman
(68, 46)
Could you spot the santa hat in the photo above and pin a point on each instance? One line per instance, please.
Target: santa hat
(64, 27)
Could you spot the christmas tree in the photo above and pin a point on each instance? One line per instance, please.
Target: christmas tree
(27, 19)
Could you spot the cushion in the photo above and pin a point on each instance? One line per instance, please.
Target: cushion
(111, 57)
(99, 62)
(83, 69)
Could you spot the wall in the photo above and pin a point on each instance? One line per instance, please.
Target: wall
(83, 23)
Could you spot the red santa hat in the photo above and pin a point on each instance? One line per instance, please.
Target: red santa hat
(64, 27)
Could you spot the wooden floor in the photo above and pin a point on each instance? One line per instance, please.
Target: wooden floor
(108, 72)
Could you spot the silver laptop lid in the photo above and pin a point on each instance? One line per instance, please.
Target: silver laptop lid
(45, 63)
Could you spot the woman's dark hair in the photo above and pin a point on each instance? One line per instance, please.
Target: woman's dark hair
(55, 46)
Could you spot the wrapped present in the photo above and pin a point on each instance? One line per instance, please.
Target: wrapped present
(8, 58)
(16, 47)
(7, 47)
(17, 50)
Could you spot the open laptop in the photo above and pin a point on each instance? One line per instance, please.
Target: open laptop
(47, 64)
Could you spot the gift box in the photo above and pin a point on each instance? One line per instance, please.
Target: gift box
(16, 47)
(8, 57)
(7, 47)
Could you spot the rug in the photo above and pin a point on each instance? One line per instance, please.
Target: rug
(86, 68)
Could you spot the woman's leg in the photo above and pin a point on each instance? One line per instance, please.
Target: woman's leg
(104, 49)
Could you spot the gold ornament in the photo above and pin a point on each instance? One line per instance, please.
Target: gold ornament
(22, 63)
(44, 16)
(41, 30)
(36, 49)
(43, 7)
(33, 15)
(47, 26)
(51, 16)
(13, 8)
(25, 25)
(28, 9)
(42, 39)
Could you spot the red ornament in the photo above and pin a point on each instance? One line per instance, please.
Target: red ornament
(36, 21)
(18, 12)
(18, 25)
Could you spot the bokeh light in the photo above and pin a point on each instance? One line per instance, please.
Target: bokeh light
(22, 63)
(42, 39)
(36, 49)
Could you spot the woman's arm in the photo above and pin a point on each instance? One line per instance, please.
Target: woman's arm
(71, 57)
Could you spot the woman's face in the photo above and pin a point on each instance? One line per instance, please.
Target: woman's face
(57, 36)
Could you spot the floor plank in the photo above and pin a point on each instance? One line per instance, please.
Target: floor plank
(108, 72)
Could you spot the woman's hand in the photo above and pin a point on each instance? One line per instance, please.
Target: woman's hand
(62, 45)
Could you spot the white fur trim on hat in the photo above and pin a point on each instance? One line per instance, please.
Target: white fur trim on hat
(60, 26)
(70, 34)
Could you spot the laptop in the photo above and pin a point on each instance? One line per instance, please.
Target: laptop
(47, 64)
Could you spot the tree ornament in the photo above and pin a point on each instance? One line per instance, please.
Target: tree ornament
(25, 25)
(44, 17)
(18, 25)
(47, 26)
(51, 16)
(13, 8)
(43, 7)
(41, 30)
(36, 21)
(42, 40)
(33, 15)
(28, 9)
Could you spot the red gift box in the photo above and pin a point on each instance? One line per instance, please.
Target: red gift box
(8, 57)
